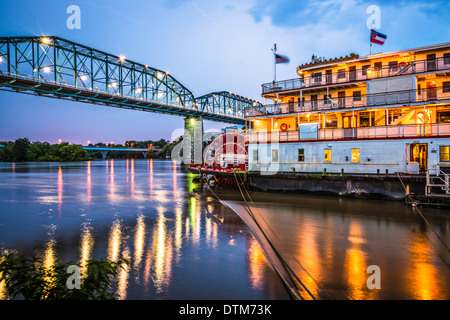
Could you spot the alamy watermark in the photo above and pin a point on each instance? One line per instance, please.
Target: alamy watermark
(374, 280)
(74, 280)
(374, 20)
(74, 20)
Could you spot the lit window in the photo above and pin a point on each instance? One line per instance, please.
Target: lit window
(355, 155)
(275, 155)
(327, 155)
(444, 153)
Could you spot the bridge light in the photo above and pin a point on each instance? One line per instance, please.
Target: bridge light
(46, 41)
(113, 84)
(46, 69)
(83, 77)
(138, 90)
(122, 58)
(1, 59)
(160, 75)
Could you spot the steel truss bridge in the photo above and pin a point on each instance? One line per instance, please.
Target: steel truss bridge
(58, 68)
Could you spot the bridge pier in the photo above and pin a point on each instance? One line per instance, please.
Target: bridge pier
(193, 141)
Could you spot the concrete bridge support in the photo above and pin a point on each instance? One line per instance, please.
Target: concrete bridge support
(192, 141)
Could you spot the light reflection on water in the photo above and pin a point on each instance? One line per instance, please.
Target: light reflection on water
(181, 245)
(185, 245)
(332, 243)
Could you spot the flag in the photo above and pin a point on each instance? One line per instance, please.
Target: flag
(281, 59)
(377, 37)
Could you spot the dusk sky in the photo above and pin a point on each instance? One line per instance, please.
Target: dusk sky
(207, 45)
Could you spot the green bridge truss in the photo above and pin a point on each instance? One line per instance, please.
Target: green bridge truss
(58, 68)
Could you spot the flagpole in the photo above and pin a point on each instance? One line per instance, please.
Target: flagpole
(370, 38)
(274, 63)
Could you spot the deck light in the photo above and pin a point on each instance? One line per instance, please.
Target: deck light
(45, 40)
(46, 69)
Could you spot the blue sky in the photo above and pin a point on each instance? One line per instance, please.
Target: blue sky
(208, 45)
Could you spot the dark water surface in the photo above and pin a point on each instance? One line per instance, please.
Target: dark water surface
(184, 244)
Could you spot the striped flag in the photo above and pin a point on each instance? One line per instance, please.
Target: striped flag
(377, 37)
(281, 59)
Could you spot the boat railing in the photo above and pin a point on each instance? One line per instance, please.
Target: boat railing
(373, 132)
(346, 75)
(427, 95)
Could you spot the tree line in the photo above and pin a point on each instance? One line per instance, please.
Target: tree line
(24, 150)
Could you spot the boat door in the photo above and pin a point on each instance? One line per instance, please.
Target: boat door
(419, 154)
(431, 90)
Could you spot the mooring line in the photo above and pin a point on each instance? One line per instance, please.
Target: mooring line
(252, 216)
(425, 219)
(249, 210)
(295, 259)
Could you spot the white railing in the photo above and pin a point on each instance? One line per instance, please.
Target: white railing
(396, 131)
(338, 103)
(322, 78)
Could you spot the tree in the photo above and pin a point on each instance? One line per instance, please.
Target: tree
(20, 149)
(30, 278)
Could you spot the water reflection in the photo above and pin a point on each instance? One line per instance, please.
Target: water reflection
(87, 243)
(60, 190)
(423, 280)
(331, 250)
(89, 183)
(115, 241)
(184, 244)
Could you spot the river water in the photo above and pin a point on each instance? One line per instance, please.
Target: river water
(182, 243)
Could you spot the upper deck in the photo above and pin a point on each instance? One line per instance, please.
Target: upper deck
(353, 69)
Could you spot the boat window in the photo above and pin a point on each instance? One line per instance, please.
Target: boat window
(444, 153)
(446, 87)
(355, 155)
(255, 155)
(275, 155)
(301, 155)
(327, 155)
